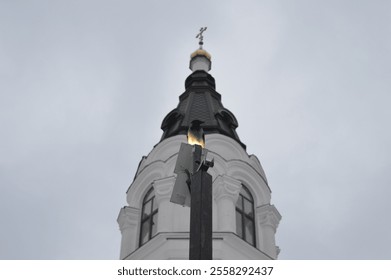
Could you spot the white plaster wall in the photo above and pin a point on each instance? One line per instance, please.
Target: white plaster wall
(200, 63)
(233, 166)
(175, 246)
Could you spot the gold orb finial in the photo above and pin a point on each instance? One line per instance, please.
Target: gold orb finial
(201, 52)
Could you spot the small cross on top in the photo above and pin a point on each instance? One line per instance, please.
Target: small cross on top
(200, 36)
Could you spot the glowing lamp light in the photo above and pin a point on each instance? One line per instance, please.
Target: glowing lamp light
(193, 140)
(195, 134)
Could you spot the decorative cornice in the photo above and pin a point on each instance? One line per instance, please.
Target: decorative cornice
(163, 188)
(128, 217)
(226, 187)
(268, 215)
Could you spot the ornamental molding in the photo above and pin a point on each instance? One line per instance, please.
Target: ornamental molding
(142, 182)
(268, 215)
(226, 187)
(175, 246)
(128, 217)
(163, 188)
(164, 150)
(222, 145)
(230, 160)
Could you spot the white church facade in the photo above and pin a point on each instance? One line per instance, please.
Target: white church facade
(244, 220)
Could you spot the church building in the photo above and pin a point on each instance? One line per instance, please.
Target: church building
(244, 222)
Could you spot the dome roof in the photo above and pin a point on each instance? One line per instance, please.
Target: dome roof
(200, 102)
(201, 52)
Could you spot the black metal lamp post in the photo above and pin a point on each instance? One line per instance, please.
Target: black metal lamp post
(201, 200)
(200, 210)
(194, 175)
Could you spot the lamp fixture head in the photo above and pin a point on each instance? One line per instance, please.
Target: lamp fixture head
(195, 134)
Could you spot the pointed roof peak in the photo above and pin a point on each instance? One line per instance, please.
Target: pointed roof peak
(200, 103)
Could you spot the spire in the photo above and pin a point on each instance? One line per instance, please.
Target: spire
(201, 102)
(200, 59)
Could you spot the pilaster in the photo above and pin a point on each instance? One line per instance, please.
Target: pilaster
(268, 219)
(163, 189)
(128, 221)
(226, 191)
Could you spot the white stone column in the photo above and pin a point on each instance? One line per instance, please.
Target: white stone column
(128, 220)
(163, 189)
(268, 219)
(226, 192)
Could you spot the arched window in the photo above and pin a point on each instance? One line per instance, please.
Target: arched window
(245, 225)
(148, 217)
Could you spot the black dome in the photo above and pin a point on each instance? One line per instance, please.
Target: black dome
(200, 102)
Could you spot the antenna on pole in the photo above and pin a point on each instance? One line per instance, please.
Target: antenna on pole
(201, 37)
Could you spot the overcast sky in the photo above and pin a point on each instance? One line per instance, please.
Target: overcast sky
(84, 86)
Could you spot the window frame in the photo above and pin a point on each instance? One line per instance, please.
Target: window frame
(148, 218)
(243, 215)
